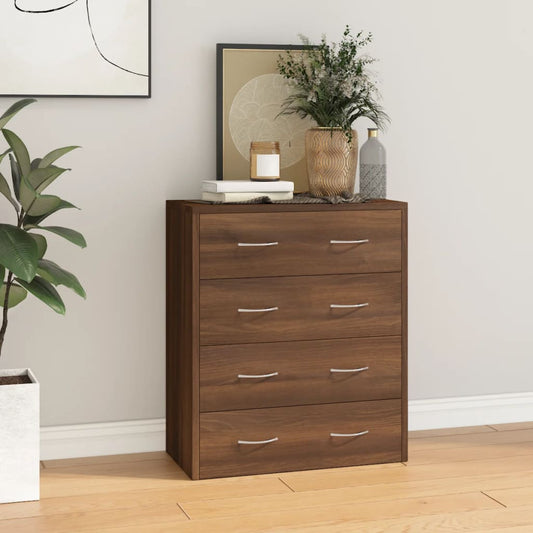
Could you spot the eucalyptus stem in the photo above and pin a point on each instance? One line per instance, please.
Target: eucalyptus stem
(332, 83)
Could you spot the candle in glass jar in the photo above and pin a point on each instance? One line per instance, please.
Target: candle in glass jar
(264, 161)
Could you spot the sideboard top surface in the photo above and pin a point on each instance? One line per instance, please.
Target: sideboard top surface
(203, 207)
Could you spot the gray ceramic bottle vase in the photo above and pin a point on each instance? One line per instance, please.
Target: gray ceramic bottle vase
(373, 168)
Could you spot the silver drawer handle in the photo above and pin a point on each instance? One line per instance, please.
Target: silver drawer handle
(362, 241)
(353, 370)
(352, 306)
(265, 310)
(257, 376)
(257, 243)
(348, 434)
(268, 441)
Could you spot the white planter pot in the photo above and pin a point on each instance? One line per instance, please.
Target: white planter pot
(19, 439)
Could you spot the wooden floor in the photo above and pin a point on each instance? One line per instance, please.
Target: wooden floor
(468, 479)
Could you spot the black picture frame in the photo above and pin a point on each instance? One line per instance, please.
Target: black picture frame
(221, 98)
(135, 96)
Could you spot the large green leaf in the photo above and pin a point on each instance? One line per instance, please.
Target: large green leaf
(47, 204)
(46, 292)
(28, 195)
(55, 154)
(6, 191)
(20, 151)
(2, 275)
(42, 205)
(56, 275)
(16, 295)
(4, 154)
(35, 220)
(18, 252)
(71, 235)
(41, 243)
(14, 109)
(40, 178)
(4, 186)
(36, 204)
(16, 175)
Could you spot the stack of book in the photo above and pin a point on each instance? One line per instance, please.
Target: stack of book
(243, 190)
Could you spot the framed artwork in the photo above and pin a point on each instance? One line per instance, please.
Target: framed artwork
(250, 92)
(75, 48)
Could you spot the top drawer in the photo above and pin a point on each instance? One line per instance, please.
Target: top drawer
(241, 245)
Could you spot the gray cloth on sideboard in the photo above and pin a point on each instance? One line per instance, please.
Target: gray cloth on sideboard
(303, 198)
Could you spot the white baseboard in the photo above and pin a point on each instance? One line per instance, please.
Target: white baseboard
(470, 411)
(108, 438)
(136, 436)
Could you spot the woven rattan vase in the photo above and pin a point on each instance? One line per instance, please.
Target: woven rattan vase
(331, 161)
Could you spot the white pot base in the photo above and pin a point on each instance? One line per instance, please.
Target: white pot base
(19, 439)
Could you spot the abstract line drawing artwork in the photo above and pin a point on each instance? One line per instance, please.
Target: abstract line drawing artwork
(75, 48)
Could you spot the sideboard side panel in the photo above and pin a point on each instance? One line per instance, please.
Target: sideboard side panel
(182, 338)
(404, 336)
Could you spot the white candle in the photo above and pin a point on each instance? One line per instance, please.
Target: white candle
(268, 165)
(264, 160)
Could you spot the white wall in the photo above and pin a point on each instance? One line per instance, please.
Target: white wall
(457, 82)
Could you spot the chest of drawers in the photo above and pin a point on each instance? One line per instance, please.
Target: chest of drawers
(286, 336)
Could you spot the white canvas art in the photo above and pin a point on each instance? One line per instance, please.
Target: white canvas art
(75, 48)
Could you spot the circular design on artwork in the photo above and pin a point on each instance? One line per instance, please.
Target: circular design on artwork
(253, 116)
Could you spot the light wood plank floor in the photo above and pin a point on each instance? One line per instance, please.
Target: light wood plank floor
(464, 479)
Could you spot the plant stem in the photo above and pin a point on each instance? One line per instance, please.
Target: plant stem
(9, 282)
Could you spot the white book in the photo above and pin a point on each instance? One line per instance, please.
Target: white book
(243, 196)
(247, 186)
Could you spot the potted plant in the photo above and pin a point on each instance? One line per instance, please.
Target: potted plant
(24, 269)
(332, 85)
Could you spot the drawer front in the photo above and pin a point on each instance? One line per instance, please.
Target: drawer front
(299, 373)
(299, 308)
(304, 439)
(303, 246)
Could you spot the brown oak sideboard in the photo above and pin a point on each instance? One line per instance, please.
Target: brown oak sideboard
(286, 336)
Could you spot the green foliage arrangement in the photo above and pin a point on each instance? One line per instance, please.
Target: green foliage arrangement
(22, 247)
(332, 83)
